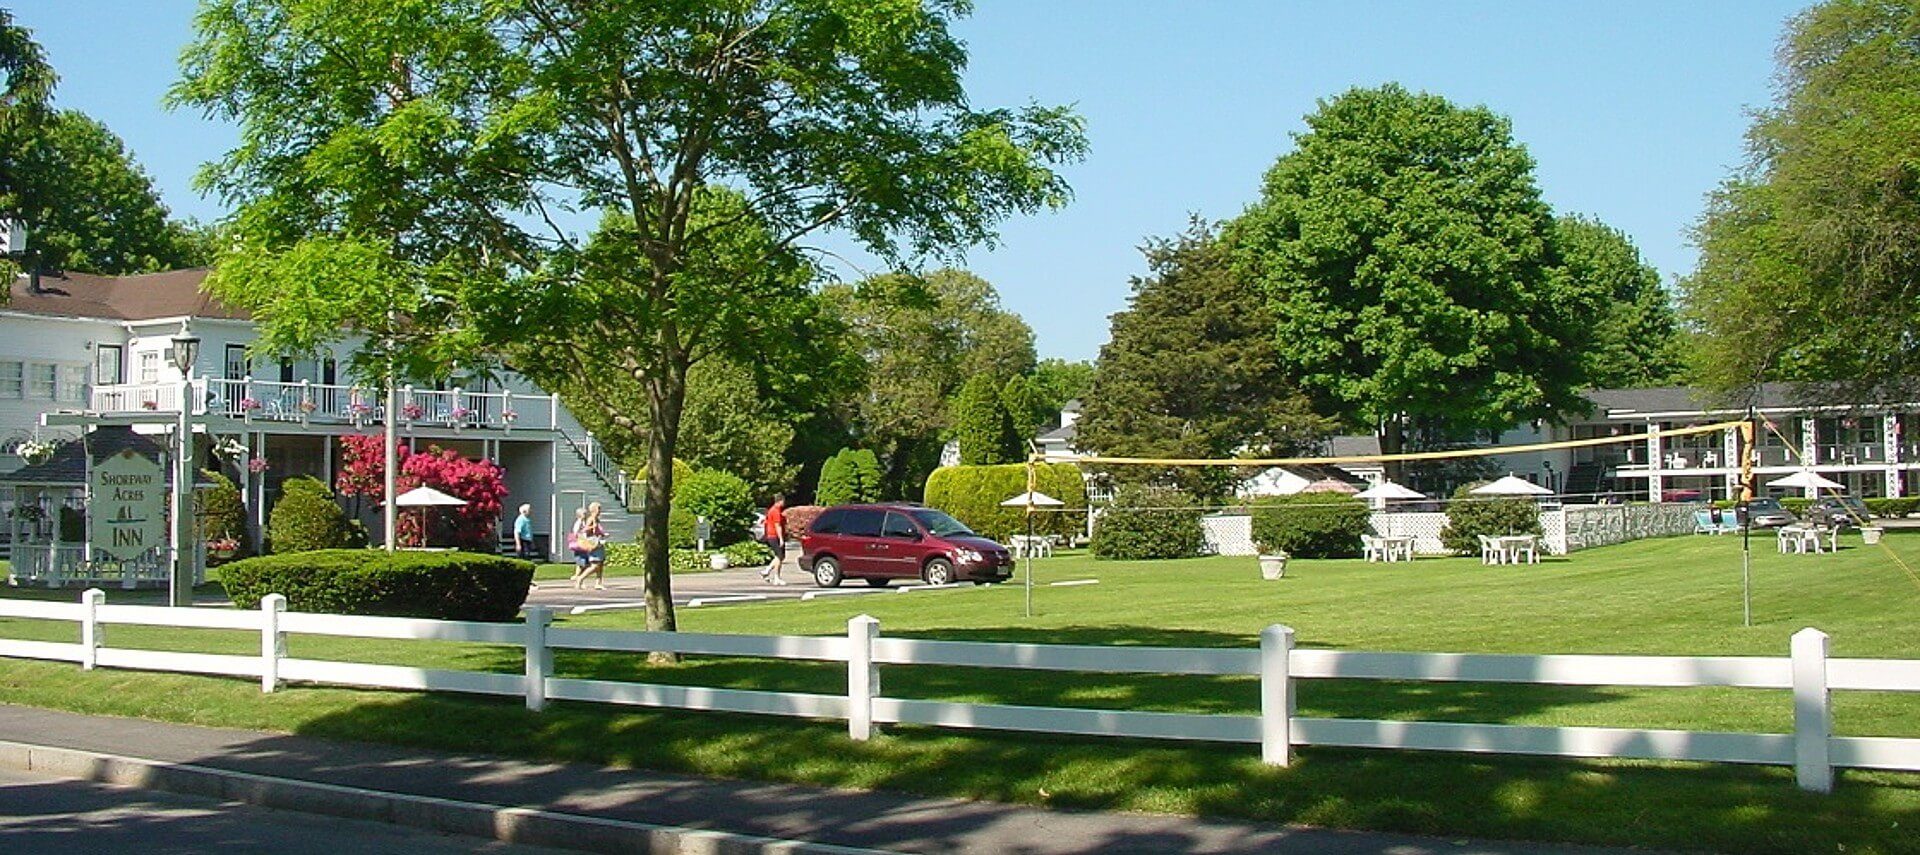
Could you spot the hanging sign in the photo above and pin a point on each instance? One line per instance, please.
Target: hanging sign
(128, 505)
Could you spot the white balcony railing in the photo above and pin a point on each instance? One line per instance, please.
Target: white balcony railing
(320, 403)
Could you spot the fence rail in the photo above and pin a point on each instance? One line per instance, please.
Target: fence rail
(1807, 673)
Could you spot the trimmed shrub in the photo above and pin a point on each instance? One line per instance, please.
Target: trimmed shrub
(748, 553)
(972, 494)
(1892, 507)
(682, 525)
(1311, 525)
(799, 517)
(1470, 516)
(847, 477)
(1148, 523)
(1797, 504)
(631, 556)
(440, 585)
(725, 499)
(306, 519)
(222, 516)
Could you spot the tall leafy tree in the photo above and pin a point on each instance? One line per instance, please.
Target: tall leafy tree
(1023, 403)
(921, 338)
(1808, 269)
(1635, 340)
(982, 425)
(718, 136)
(850, 475)
(731, 426)
(1057, 381)
(1192, 370)
(1406, 255)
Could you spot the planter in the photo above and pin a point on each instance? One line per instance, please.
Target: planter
(1273, 566)
(717, 561)
(1871, 534)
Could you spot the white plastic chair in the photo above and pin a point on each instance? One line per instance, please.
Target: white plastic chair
(1489, 551)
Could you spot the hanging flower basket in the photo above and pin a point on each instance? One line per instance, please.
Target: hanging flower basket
(257, 465)
(36, 452)
(413, 412)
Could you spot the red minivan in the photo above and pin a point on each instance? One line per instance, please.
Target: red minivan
(879, 543)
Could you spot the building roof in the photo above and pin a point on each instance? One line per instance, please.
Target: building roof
(176, 293)
(1353, 445)
(1632, 403)
(1064, 433)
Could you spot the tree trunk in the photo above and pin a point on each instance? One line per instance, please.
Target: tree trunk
(1393, 440)
(666, 395)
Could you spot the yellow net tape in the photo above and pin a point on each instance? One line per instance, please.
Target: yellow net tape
(1382, 458)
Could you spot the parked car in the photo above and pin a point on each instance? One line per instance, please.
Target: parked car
(1838, 511)
(880, 543)
(1767, 512)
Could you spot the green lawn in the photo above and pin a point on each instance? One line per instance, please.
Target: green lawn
(1674, 596)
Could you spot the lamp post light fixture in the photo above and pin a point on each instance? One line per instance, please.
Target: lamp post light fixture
(186, 349)
(1547, 469)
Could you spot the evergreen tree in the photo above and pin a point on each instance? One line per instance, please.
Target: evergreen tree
(983, 426)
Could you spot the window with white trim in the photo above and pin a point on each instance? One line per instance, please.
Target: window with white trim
(149, 366)
(73, 383)
(42, 380)
(12, 379)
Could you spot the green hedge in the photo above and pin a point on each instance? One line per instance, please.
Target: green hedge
(725, 499)
(1470, 516)
(1798, 504)
(972, 494)
(1311, 525)
(1149, 523)
(1893, 508)
(306, 519)
(748, 553)
(443, 585)
(630, 556)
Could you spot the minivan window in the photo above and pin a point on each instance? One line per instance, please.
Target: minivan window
(861, 522)
(827, 523)
(940, 524)
(900, 527)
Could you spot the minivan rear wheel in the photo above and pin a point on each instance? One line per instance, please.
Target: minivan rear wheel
(826, 572)
(939, 572)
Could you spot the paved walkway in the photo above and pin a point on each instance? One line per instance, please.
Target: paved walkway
(596, 795)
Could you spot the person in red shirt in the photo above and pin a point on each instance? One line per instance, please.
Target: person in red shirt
(774, 534)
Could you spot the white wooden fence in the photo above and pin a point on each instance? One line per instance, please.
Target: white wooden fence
(1807, 672)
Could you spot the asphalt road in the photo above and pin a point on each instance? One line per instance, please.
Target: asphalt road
(55, 816)
(626, 591)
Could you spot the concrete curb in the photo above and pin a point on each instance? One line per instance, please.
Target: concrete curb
(527, 826)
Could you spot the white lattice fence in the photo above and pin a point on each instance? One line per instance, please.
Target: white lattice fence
(1229, 534)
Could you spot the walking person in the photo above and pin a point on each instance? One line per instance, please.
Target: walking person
(589, 542)
(523, 533)
(774, 534)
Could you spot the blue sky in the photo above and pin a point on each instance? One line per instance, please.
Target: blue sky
(1633, 109)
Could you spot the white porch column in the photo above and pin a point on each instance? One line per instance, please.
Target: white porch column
(1810, 449)
(1730, 458)
(1656, 485)
(1890, 452)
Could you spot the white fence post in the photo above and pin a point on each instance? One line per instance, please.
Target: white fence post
(863, 679)
(273, 642)
(1276, 695)
(90, 627)
(1812, 713)
(539, 656)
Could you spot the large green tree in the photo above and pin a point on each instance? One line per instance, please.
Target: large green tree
(983, 427)
(1808, 264)
(921, 338)
(1407, 258)
(1191, 370)
(1635, 339)
(1057, 381)
(447, 131)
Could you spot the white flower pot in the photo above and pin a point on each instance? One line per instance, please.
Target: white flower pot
(1273, 566)
(717, 561)
(1871, 534)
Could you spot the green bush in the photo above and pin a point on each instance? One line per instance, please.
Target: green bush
(1797, 504)
(799, 517)
(682, 525)
(725, 499)
(972, 494)
(222, 515)
(1146, 522)
(630, 556)
(848, 477)
(982, 424)
(748, 553)
(1892, 507)
(442, 585)
(306, 519)
(1311, 525)
(73, 525)
(1470, 516)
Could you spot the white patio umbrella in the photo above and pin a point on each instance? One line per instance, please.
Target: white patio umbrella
(1807, 478)
(1512, 485)
(1031, 499)
(424, 498)
(1390, 490)
(1039, 500)
(1330, 485)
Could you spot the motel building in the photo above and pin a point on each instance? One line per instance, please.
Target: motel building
(86, 366)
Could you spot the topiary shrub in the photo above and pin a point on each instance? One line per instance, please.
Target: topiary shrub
(441, 585)
(682, 525)
(1470, 516)
(848, 477)
(1893, 507)
(725, 499)
(1147, 523)
(972, 494)
(306, 519)
(799, 517)
(1311, 525)
(223, 518)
